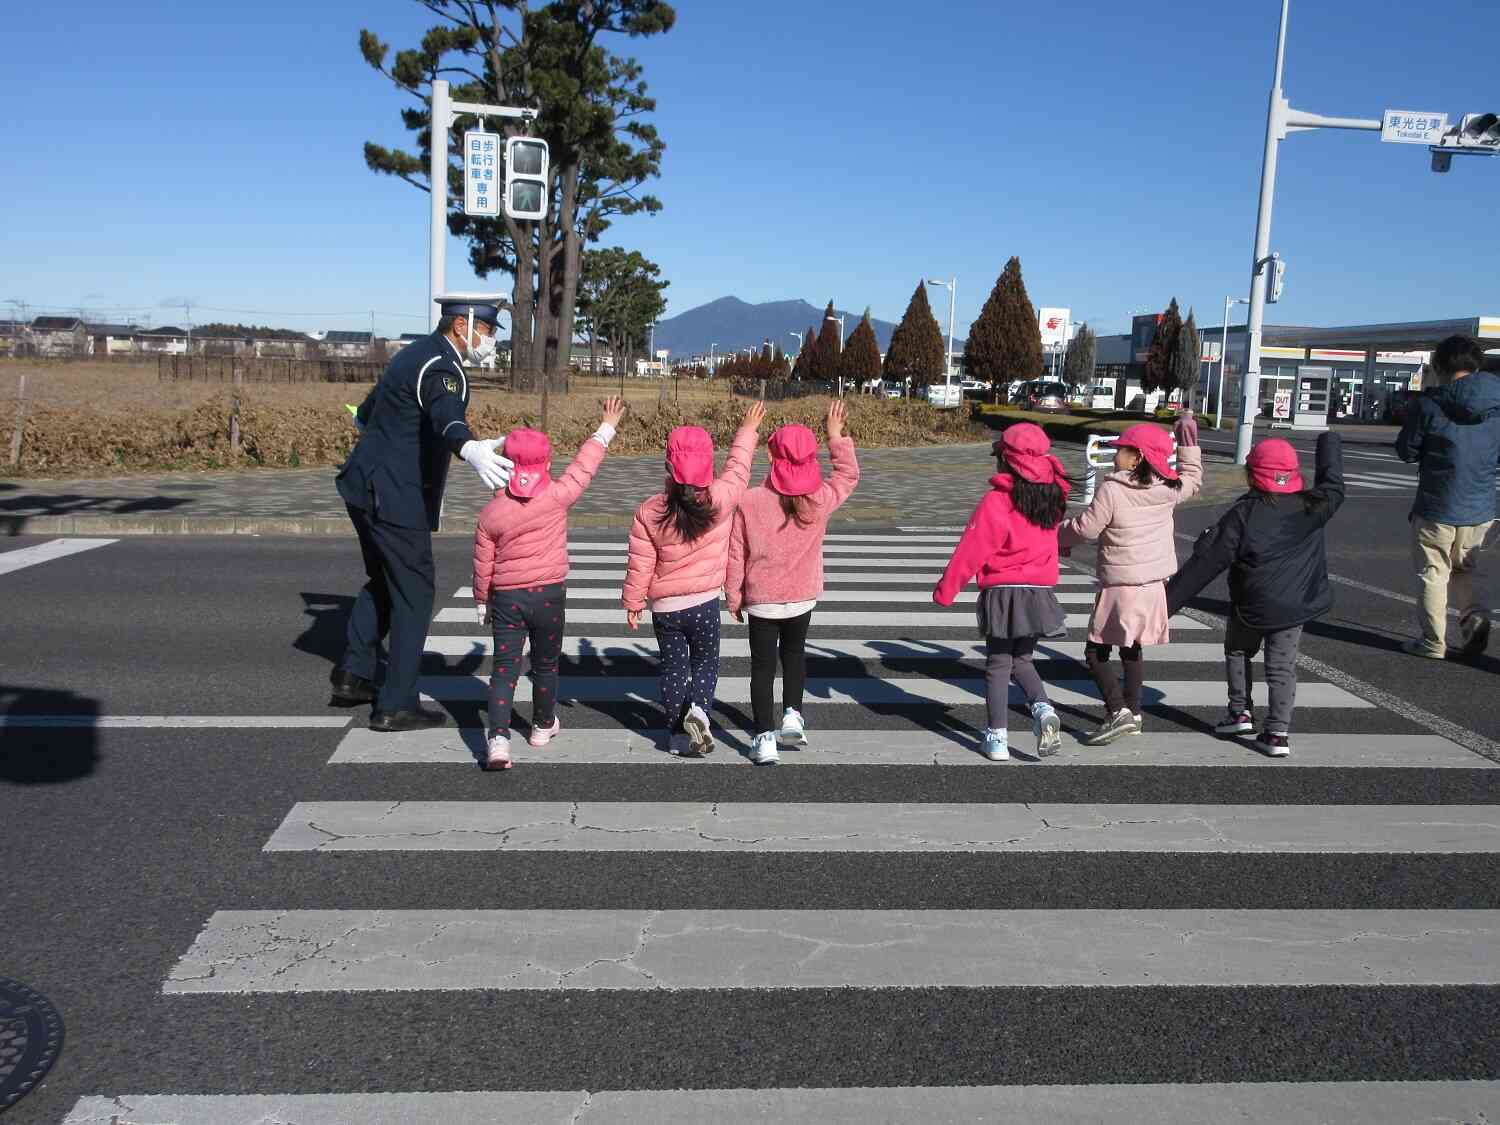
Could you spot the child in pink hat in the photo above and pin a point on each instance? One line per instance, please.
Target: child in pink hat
(520, 569)
(776, 570)
(1132, 518)
(1271, 542)
(679, 550)
(1010, 543)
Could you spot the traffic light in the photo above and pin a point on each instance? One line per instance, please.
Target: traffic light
(526, 178)
(1480, 130)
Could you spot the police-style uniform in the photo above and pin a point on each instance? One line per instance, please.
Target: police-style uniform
(412, 425)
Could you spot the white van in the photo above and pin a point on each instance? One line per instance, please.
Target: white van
(945, 397)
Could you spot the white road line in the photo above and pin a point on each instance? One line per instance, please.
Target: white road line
(182, 722)
(885, 597)
(934, 618)
(1289, 1103)
(621, 650)
(1378, 486)
(888, 550)
(459, 746)
(835, 578)
(22, 557)
(834, 537)
(726, 826)
(885, 691)
(261, 951)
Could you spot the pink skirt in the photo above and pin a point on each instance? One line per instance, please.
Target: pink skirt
(1128, 615)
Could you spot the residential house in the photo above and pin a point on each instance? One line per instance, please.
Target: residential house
(61, 336)
(347, 345)
(166, 340)
(112, 339)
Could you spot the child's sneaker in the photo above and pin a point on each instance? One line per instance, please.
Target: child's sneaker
(792, 732)
(1121, 723)
(996, 744)
(1273, 744)
(682, 746)
(695, 722)
(1047, 727)
(540, 736)
(1235, 722)
(1140, 722)
(497, 752)
(763, 750)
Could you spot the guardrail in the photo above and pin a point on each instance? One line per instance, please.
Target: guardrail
(1097, 457)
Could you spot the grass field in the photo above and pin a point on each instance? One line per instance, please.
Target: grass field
(92, 419)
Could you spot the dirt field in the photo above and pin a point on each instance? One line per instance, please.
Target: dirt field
(90, 419)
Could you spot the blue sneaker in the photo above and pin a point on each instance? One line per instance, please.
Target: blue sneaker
(996, 744)
(1047, 727)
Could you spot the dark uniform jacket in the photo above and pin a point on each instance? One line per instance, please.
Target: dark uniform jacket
(1454, 433)
(414, 424)
(1273, 549)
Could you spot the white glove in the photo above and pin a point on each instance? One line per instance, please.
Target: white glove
(492, 468)
(482, 611)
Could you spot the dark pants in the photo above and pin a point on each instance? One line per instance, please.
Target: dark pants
(689, 644)
(396, 601)
(1006, 657)
(770, 637)
(1240, 645)
(536, 614)
(1134, 665)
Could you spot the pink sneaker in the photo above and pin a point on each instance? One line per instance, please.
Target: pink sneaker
(497, 752)
(540, 736)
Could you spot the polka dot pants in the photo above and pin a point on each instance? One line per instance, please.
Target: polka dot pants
(689, 644)
(516, 616)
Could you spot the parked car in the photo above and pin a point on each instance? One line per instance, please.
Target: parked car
(893, 390)
(944, 395)
(1045, 396)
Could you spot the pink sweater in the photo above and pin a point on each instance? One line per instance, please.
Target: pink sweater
(771, 557)
(1134, 525)
(1000, 546)
(661, 564)
(522, 543)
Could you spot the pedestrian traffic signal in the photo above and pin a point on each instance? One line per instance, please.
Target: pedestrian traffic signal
(526, 178)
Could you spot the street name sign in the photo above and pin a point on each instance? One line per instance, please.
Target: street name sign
(481, 160)
(1409, 127)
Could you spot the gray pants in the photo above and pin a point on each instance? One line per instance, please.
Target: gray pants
(1240, 645)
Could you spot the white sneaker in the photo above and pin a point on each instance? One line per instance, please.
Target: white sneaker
(1047, 727)
(996, 744)
(763, 750)
(497, 752)
(792, 732)
(1140, 723)
(695, 722)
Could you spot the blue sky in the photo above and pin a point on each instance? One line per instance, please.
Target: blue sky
(213, 152)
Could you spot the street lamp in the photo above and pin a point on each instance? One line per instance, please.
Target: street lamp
(1224, 355)
(799, 340)
(840, 320)
(952, 287)
(712, 368)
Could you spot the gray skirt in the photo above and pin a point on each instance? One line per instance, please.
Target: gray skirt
(1019, 611)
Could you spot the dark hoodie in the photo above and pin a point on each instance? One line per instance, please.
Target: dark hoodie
(1453, 432)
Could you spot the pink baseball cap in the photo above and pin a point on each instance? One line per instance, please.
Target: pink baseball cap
(690, 455)
(794, 461)
(531, 450)
(1027, 449)
(1154, 444)
(1273, 466)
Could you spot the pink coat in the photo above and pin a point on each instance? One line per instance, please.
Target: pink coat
(771, 557)
(1001, 547)
(522, 543)
(1134, 525)
(661, 565)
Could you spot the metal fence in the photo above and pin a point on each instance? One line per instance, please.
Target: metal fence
(236, 369)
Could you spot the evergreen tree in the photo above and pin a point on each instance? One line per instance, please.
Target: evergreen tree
(1160, 359)
(1005, 343)
(824, 362)
(804, 354)
(861, 360)
(916, 350)
(1187, 362)
(1078, 368)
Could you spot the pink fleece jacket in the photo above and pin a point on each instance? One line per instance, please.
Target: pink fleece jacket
(1134, 524)
(772, 558)
(1000, 546)
(522, 543)
(661, 564)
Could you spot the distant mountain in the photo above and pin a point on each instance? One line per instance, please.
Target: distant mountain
(732, 323)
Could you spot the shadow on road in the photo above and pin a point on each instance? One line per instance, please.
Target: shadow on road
(65, 749)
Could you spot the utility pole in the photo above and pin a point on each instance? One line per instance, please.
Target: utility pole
(952, 287)
(1224, 355)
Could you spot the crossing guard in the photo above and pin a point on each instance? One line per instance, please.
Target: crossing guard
(410, 424)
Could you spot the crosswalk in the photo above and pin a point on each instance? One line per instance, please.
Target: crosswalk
(891, 928)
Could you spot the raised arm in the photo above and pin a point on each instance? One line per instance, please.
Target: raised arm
(982, 539)
(576, 477)
(1189, 457)
(1328, 481)
(841, 453)
(725, 492)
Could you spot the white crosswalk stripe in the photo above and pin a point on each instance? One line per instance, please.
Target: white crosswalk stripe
(1105, 882)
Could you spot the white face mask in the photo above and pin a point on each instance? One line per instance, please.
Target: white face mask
(480, 347)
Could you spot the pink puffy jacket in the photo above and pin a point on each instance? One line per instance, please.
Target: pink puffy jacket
(1134, 524)
(663, 566)
(1000, 547)
(522, 543)
(772, 558)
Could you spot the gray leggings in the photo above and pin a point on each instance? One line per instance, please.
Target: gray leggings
(1240, 645)
(1007, 658)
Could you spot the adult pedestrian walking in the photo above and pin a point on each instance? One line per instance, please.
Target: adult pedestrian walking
(410, 425)
(1452, 431)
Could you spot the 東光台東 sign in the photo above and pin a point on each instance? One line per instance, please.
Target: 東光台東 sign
(1408, 127)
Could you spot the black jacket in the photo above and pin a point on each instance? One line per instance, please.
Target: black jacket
(1454, 433)
(414, 424)
(1273, 548)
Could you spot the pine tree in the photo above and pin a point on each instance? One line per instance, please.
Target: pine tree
(1160, 358)
(916, 350)
(804, 354)
(861, 360)
(1005, 343)
(824, 363)
(1187, 362)
(1078, 368)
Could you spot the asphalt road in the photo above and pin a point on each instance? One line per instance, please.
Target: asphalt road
(120, 844)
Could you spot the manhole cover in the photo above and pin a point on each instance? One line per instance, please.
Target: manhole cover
(31, 1036)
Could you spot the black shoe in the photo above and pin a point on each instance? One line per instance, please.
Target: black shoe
(421, 718)
(350, 690)
(1476, 630)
